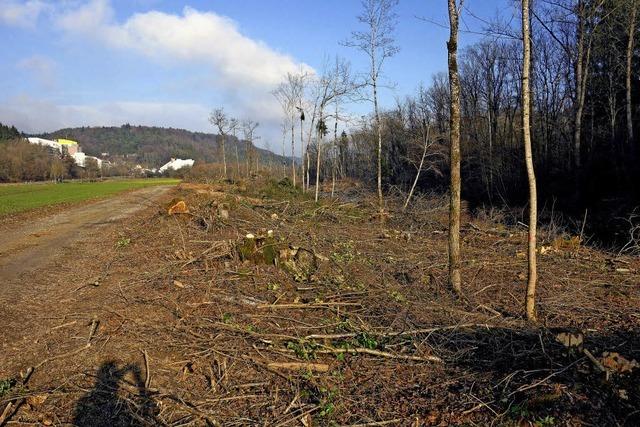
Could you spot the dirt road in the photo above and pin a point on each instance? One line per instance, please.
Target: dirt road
(34, 245)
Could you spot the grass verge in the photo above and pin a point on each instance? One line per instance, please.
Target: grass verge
(16, 198)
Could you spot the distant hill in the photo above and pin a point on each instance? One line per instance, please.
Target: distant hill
(154, 146)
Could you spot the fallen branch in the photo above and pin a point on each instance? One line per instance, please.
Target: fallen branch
(312, 306)
(399, 333)
(147, 380)
(295, 366)
(361, 350)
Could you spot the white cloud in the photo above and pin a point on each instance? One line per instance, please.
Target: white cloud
(22, 14)
(194, 36)
(41, 68)
(242, 71)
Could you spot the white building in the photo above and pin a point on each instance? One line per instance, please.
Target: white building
(81, 159)
(71, 146)
(46, 142)
(176, 164)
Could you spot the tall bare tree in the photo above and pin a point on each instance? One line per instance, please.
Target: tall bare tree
(219, 119)
(234, 124)
(528, 157)
(631, 34)
(289, 93)
(331, 86)
(420, 117)
(248, 129)
(378, 44)
(454, 141)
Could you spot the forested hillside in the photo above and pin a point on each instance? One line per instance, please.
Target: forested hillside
(8, 132)
(154, 146)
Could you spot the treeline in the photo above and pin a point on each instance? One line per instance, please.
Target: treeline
(8, 132)
(584, 98)
(21, 161)
(155, 146)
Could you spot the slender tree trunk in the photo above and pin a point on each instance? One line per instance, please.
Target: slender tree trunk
(379, 130)
(490, 186)
(237, 158)
(579, 71)
(293, 153)
(306, 149)
(334, 156)
(320, 137)
(454, 132)
(301, 145)
(526, 137)
(632, 31)
(248, 155)
(415, 181)
(224, 156)
(284, 156)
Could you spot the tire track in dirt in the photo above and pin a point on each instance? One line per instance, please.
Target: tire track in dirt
(32, 246)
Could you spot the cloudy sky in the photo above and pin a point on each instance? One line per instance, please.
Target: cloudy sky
(167, 63)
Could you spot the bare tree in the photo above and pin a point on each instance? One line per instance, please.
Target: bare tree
(233, 128)
(219, 119)
(248, 129)
(630, 35)
(419, 114)
(284, 128)
(378, 44)
(531, 176)
(331, 86)
(289, 93)
(454, 137)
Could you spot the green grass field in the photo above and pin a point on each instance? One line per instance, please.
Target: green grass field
(22, 197)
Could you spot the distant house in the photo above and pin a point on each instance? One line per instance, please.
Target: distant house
(176, 164)
(71, 146)
(46, 142)
(66, 145)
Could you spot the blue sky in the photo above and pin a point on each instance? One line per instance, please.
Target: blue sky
(167, 63)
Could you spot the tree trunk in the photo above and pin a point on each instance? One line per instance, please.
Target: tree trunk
(415, 181)
(632, 31)
(284, 155)
(320, 137)
(526, 137)
(301, 145)
(224, 156)
(293, 153)
(306, 149)
(237, 159)
(580, 83)
(248, 155)
(379, 130)
(335, 151)
(454, 132)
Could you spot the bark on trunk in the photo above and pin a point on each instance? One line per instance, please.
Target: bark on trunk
(379, 129)
(224, 157)
(632, 31)
(320, 137)
(335, 151)
(454, 136)
(237, 159)
(526, 136)
(301, 145)
(293, 152)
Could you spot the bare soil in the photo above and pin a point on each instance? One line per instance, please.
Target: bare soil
(156, 319)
